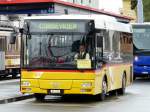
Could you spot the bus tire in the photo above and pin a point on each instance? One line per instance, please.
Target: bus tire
(102, 96)
(14, 76)
(134, 77)
(121, 91)
(39, 97)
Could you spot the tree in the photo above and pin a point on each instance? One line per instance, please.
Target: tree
(146, 5)
(133, 4)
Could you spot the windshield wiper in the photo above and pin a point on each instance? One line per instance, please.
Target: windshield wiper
(40, 50)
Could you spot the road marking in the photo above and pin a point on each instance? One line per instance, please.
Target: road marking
(9, 81)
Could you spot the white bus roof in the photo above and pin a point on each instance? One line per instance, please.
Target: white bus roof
(146, 23)
(101, 21)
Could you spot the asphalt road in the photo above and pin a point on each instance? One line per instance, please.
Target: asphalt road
(9, 88)
(136, 99)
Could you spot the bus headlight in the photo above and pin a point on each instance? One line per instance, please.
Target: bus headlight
(86, 84)
(25, 83)
(136, 58)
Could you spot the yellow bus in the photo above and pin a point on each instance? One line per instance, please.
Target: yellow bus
(49, 46)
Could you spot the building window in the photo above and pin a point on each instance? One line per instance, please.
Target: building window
(89, 1)
(66, 11)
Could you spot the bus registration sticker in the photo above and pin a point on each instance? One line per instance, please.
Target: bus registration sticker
(83, 64)
(144, 72)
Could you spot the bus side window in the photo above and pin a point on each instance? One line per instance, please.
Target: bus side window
(126, 47)
(116, 45)
(2, 43)
(99, 46)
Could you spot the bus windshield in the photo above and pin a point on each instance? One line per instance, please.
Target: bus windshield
(141, 38)
(52, 51)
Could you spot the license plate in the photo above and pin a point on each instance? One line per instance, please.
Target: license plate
(55, 91)
(144, 72)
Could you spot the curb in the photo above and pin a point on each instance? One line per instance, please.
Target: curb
(14, 99)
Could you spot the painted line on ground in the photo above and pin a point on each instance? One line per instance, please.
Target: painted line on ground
(15, 99)
(9, 81)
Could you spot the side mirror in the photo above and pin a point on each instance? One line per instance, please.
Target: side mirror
(100, 60)
(100, 41)
(21, 30)
(13, 37)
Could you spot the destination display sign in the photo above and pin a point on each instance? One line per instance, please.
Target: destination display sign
(58, 26)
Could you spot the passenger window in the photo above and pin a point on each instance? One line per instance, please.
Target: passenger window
(116, 45)
(99, 45)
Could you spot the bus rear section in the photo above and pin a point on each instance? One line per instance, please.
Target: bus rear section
(141, 33)
(11, 51)
(12, 63)
(50, 65)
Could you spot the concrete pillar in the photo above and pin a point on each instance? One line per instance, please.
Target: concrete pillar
(140, 11)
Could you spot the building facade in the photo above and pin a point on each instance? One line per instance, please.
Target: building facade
(127, 11)
(90, 3)
(18, 9)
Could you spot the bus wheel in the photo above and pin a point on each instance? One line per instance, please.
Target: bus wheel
(121, 91)
(104, 90)
(134, 77)
(39, 97)
(14, 76)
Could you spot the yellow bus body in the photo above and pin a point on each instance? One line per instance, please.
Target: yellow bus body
(75, 81)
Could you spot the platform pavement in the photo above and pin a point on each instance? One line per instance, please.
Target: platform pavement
(10, 91)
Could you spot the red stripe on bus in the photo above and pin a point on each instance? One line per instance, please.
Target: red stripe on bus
(90, 71)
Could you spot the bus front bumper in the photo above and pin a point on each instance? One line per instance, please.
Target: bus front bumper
(58, 86)
(141, 70)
